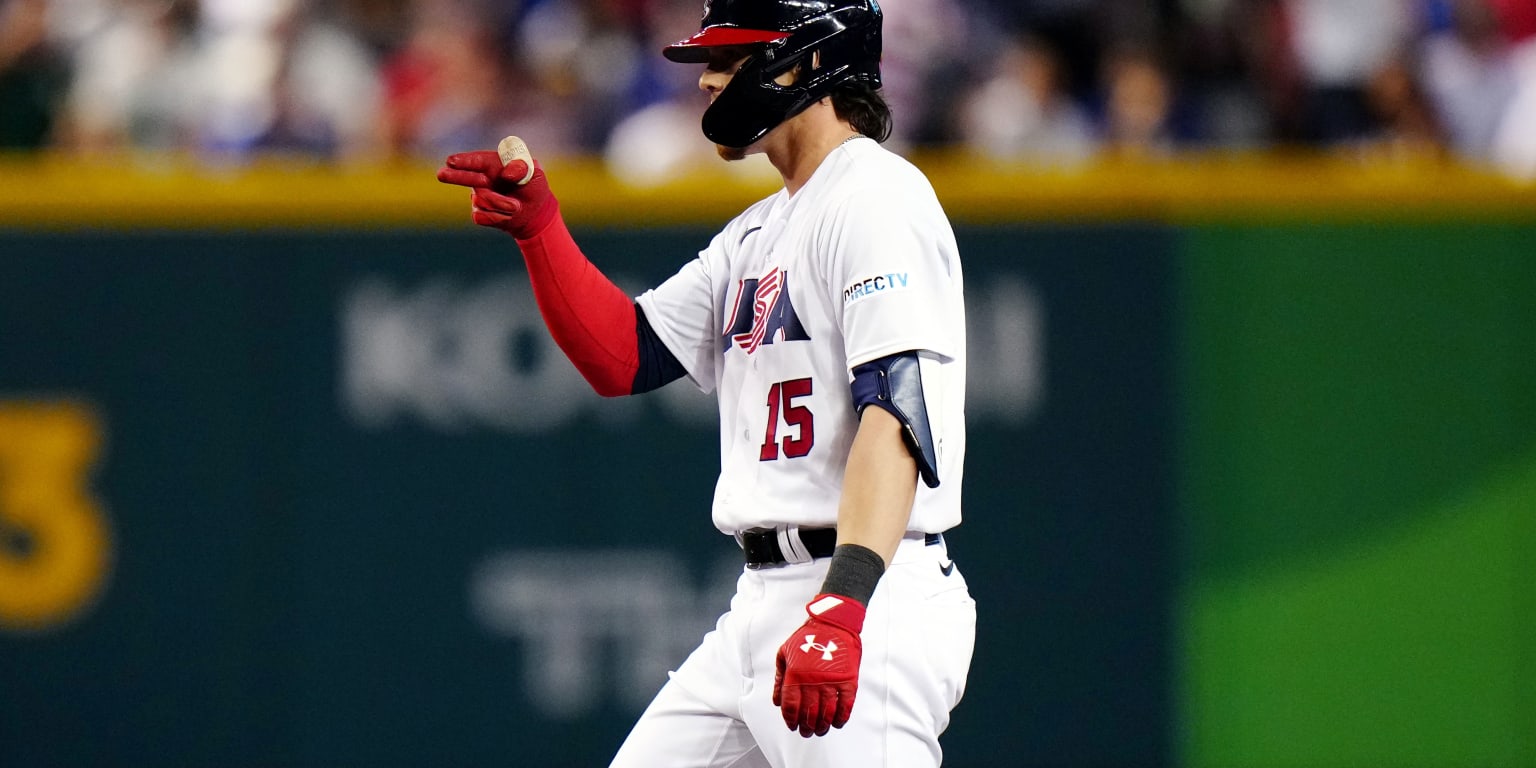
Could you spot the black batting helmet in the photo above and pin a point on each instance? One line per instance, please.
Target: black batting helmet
(843, 35)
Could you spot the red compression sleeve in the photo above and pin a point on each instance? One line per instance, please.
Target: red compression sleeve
(590, 318)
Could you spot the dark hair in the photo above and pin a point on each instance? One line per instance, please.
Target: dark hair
(864, 108)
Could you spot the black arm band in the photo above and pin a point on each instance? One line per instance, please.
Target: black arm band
(895, 383)
(658, 366)
(854, 572)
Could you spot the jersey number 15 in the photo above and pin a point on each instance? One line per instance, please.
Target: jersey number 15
(781, 401)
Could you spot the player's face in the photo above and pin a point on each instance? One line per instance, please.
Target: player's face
(723, 64)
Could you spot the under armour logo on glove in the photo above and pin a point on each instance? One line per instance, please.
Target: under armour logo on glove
(815, 688)
(812, 645)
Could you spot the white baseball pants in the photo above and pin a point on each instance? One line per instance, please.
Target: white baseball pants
(717, 711)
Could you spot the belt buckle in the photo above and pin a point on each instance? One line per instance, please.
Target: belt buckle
(759, 548)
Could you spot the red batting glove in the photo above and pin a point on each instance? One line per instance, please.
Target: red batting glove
(817, 672)
(496, 198)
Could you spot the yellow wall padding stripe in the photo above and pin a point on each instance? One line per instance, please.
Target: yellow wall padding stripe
(131, 191)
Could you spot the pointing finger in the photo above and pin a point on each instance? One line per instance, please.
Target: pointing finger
(483, 161)
(463, 178)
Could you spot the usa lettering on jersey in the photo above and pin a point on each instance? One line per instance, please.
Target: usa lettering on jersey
(762, 312)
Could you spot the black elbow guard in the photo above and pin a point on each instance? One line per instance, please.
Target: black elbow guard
(895, 383)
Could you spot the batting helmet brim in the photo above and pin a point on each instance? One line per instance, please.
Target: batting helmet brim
(695, 50)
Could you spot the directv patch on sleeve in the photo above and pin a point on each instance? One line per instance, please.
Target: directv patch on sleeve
(874, 286)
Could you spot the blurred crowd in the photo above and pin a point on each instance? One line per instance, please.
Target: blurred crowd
(1054, 82)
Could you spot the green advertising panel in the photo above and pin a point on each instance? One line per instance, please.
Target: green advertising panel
(1359, 489)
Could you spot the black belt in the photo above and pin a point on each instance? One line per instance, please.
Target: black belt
(762, 549)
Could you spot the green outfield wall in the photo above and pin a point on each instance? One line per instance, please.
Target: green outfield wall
(1359, 487)
(290, 474)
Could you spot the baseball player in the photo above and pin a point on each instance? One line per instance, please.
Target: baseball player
(829, 319)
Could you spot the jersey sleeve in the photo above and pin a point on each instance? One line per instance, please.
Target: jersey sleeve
(682, 311)
(892, 258)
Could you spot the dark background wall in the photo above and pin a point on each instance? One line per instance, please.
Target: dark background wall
(360, 511)
(289, 480)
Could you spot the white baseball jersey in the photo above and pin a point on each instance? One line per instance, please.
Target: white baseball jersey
(860, 263)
